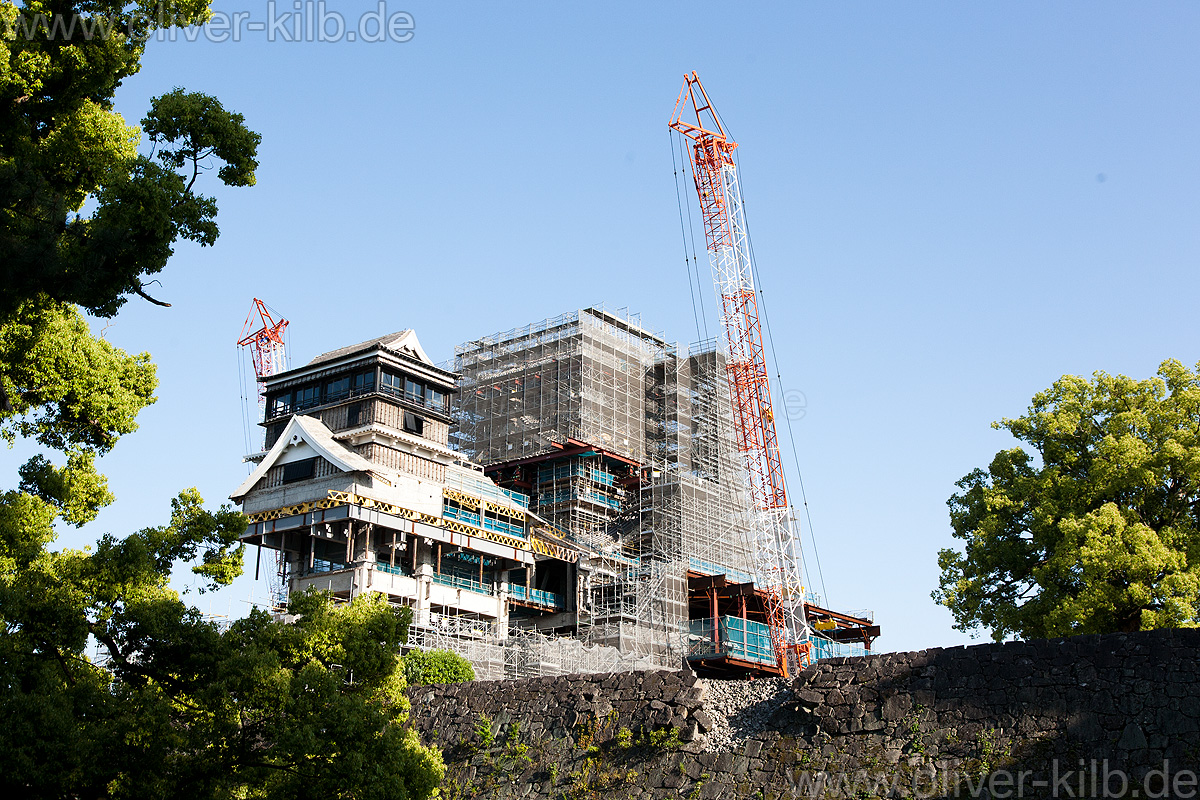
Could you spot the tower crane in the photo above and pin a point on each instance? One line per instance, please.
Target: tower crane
(266, 344)
(774, 539)
(264, 336)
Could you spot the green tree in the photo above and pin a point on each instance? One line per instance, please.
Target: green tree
(180, 708)
(423, 667)
(62, 145)
(175, 705)
(1099, 530)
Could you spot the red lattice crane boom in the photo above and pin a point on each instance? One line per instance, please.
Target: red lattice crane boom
(264, 336)
(774, 538)
(265, 342)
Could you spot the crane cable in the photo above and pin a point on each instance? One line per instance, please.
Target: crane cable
(701, 316)
(791, 435)
(245, 400)
(778, 376)
(779, 381)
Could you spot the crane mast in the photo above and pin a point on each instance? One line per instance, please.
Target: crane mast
(266, 344)
(774, 539)
(269, 353)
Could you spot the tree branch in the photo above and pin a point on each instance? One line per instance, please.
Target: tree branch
(62, 662)
(151, 299)
(195, 171)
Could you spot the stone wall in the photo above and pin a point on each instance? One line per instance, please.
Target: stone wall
(1077, 717)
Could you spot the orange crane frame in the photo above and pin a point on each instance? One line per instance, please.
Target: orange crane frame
(269, 353)
(776, 545)
(266, 343)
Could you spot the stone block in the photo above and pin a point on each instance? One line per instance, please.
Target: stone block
(897, 707)
(1174, 723)
(1132, 738)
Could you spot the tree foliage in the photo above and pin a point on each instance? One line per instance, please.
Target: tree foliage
(422, 667)
(174, 705)
(63, 387)
(1099, 529)
(62, 145)
(179, 707)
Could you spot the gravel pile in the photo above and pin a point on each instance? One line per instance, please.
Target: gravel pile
(741, 709)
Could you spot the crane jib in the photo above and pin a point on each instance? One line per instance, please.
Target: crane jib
(775, 541)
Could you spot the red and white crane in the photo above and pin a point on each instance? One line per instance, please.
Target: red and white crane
(266, 344)
(264, 336)
(775, 540)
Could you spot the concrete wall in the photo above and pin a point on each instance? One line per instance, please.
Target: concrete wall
(1030, 719)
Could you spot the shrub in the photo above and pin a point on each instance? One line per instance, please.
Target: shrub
(436, 666)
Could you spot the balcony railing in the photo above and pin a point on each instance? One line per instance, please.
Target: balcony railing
(477, 485)
(708, 568)
(735, 637)
(469, 584)
(536, 596)
(428, 403)
(487, 523)
(323, 565)
(826, 648)
(461, 514)
(383, 566)
(501, 526)
(323, 396)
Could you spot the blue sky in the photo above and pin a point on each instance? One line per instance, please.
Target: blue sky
(952, 204)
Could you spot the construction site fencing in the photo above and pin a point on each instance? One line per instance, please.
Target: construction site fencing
(827, 648)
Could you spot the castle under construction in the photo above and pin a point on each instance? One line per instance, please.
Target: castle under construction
(562, 497)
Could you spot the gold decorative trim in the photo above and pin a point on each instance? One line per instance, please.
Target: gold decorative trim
(335, 498)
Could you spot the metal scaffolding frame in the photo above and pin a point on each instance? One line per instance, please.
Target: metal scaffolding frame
(660, 493)
(497, 653)
(579, 375)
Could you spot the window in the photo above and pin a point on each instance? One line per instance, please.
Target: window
(308, 396)
(352, 414)
(392, 383)
(364, 382)
(337, 388)
(299, 470)
(414, 392)
(414, 424)
(278, 404)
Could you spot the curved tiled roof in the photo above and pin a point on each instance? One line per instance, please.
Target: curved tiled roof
(318, 437)
(399, 341)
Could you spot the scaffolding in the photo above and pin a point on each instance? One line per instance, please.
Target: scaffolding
(700, 496)
(625, 444)
(576, 376)
(498, 653)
